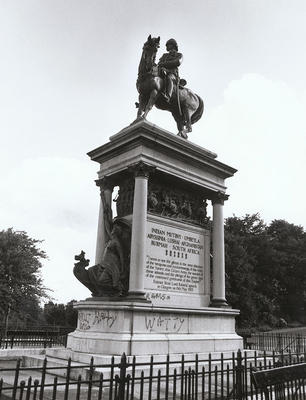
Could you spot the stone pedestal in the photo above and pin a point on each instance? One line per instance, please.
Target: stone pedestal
(111, 328)
(176, 299)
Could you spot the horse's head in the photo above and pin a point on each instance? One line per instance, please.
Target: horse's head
(149, 51)
(152, 44)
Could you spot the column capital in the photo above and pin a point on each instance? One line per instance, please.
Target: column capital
(105, 183)
(219, 198)
(141, 169)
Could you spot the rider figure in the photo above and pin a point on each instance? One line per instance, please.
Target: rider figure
(168, 66)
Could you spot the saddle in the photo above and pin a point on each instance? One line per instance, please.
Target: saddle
(181, 82)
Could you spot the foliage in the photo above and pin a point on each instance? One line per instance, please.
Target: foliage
(60, 314)
(21, 286)
(26, 315)
(266, 270)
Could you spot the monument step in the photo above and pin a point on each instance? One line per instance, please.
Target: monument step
(85, 358)
(58, 366)
(59, 352)
(59, 357)
(82, 368)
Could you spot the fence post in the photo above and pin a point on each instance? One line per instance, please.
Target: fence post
(43, 378)
(15, 385)
(239, 376)
(122, 377)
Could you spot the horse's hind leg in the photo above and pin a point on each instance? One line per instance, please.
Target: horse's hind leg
(150, 103)
(187, 114)
(180, 126)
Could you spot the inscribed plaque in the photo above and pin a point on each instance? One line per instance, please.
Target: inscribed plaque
(175, 260)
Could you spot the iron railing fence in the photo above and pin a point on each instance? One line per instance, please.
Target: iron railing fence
(126, 378)
(26, 340)
(276, 342)
(36, 329)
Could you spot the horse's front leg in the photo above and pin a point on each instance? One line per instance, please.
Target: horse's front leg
(141, 107)
(150, 103)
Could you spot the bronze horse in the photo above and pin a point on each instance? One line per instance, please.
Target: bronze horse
(185, 107)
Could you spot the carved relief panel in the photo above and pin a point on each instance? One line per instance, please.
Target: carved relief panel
(167, 200)
(177, 203)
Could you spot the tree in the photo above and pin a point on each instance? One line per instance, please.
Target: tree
(60, 314)
(289, 263)
(266, 270)
(20, 273)
(245, 243)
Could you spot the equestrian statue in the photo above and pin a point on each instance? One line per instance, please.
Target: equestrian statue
(160, 85)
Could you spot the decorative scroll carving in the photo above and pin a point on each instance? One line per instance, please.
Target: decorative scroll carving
(111, 277)
(141, 169)
(105, 183)
(219, 198)
(177, 203)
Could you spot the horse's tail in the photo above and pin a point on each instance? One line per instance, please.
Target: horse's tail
(198, 112)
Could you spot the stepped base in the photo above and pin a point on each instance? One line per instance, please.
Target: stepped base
(115, 328)
(80, 362)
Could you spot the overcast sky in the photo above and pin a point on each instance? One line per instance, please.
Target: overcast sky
(67, 82)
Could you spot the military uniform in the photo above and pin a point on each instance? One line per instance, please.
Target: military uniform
(170, 62)
(168, 66)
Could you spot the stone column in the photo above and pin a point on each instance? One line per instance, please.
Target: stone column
(105, 216)
(139, 232)
(207, 257)
(218, 291)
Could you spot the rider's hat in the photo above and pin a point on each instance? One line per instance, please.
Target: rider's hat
(173, 42)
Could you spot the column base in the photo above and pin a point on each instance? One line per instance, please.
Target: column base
(219, 303)
(137, 295)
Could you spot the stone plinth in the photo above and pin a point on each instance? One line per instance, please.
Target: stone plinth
(112, 328)
(162, 174)
(175, 301)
